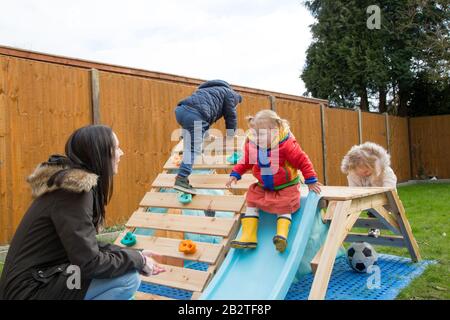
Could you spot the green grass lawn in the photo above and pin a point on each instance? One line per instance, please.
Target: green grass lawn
(428, 210)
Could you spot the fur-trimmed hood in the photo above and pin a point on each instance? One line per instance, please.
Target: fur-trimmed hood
(56, 174)
(367, 151)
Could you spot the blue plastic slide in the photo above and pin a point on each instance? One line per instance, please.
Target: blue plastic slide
(264, 273)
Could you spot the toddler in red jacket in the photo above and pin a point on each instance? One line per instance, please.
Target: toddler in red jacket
(274, 156)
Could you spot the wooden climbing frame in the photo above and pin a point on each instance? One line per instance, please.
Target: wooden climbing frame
(170, 227)
(344, 206)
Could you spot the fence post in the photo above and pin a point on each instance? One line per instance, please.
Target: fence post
(95, 96)
(388, 132)
(358, 109)
(273, 105)
(324, 144)
(411, 171)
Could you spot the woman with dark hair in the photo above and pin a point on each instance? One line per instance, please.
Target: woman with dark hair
(54, 253)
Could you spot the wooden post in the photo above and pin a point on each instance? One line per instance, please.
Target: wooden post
(359, 125)
(410, 149)
(273, 105)
(388, 132)
(95, 96)
(339, 227)
(398, 211)
(324, 143)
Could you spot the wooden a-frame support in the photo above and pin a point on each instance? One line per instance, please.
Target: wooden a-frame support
(343, 215)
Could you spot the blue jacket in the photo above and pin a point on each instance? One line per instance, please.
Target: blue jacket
(215, 99)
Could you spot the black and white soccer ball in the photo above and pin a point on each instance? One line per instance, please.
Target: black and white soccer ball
(361, 255)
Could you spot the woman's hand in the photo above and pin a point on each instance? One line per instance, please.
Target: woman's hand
(151, 267)
(315, 187)
(230, 181)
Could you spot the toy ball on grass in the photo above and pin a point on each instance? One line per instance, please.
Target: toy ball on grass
(361, 255)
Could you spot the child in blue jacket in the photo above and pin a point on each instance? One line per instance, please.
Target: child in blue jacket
(211, 101)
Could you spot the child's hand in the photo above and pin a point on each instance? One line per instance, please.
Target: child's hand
(315, 187)
(230, 181)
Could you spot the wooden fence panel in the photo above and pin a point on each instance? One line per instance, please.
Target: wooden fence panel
(43, 104)
(374, 128)
(305, 122)
(430, 146)
(341, 133)
(399, 147)
(141, 113)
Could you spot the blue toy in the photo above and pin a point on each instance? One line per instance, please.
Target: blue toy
(234, 158)
(129, 239)
(185, 198)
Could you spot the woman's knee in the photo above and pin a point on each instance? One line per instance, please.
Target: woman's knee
(132, 281)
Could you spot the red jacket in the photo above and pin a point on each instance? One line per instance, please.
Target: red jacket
(276, 172)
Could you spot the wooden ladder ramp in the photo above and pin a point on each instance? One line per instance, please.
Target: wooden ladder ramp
(171, 226)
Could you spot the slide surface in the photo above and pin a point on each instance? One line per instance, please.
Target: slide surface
(264, 273)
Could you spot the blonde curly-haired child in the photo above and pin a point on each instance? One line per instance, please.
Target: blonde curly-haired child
(369, 165)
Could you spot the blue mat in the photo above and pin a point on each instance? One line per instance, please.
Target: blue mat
(396, 273)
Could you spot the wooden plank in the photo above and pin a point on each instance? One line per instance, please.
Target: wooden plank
(324, 143)
(196, 295)
(147, 296)
(370, 223)
(399, 211)
(202, 181)
(173, 261)
(330, 211)
(168, 247)
(226, 242)
(350, 223)
(390, 241)
(181, 278)
(366, 202)
(369, 202)
(315, 261)
(349, 193)
(199, 202)
(203, 162)
(95, 99)
(386, 219)
(192, 224)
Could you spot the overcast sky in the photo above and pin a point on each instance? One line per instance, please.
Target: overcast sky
(254, 43)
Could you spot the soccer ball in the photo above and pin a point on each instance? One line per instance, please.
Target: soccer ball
(361, 256)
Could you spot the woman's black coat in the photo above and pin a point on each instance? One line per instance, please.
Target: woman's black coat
(57, 232)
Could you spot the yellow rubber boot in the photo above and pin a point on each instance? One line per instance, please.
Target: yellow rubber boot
(280, 240)
(249, 233)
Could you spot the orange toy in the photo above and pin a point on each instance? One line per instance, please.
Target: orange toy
(187, 247)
